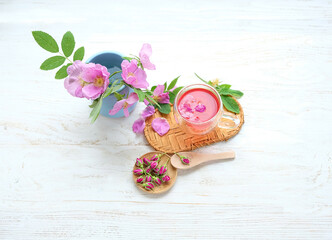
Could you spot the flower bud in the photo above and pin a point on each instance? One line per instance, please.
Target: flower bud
(139, 162)
(148, 170)
(154, 164)
(156, 170)
(139, 180)
(157, 180)
(146, 161)
(155, 157)
(148, 179)
(138, 171)
(162, 170)
(166, 178)
(148, 186)
(185, 161)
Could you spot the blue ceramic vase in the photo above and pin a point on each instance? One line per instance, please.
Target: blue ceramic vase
(112, 61)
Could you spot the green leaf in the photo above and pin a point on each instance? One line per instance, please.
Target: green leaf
(113, 88)
(201, 79)
(225, 86)
(52, 62)
(96, 110)
(62, 72)
(108, 91)
(230, 104)
(171, 97)
(93, 103)
(234, 93)
(68, 44)
(173, 83)
(79, 54)
(117, 87)
(164, 108)
(46, 41)
(140, 93)
(165, 85)
(118, 96)
(153, 88)
(176, 90)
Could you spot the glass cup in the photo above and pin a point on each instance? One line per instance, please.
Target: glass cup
(221, 119)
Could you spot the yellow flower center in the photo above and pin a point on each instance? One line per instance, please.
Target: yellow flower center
(125, 105)
(99, 82)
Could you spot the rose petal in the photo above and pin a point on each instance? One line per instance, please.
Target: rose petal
(92, 92)
(139, 125)
(164, 98)
(148, 111)
(133, 97)
(160, 125)
(200, 107)
(117, 107)
(140, 79)
(159, 90)
(146, 50)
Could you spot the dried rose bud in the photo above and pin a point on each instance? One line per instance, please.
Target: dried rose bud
(139, 162)
(148, 170)
(153, 165)
(148, 179)
(162, 170)
(138, 171)
(139, 180)
(166, 178)
(156, 170)
(146, 161)
(157, 180)
(185, 161)
(155, 157)
(148, 186)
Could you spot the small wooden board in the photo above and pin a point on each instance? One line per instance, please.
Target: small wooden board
(176, 140)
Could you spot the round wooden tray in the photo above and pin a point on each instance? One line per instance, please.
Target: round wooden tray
(171, 171)
(176, 140)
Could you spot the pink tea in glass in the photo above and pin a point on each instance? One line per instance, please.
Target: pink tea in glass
(197, 106)
(198, 109)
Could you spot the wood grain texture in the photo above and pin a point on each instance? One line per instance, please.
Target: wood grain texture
(62, 178)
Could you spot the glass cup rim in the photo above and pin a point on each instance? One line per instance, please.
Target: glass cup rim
(199, 84)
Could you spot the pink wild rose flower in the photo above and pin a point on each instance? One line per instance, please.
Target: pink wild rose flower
(125, 104)
(159, 95)
(144, 56)
(133, 75)
(86, 80)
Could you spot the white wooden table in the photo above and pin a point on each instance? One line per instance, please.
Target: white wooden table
(62, 178)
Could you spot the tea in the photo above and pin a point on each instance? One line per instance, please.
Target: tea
(198, 105)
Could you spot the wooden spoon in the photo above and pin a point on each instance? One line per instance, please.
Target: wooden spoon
(198, 158)
(171, 171)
